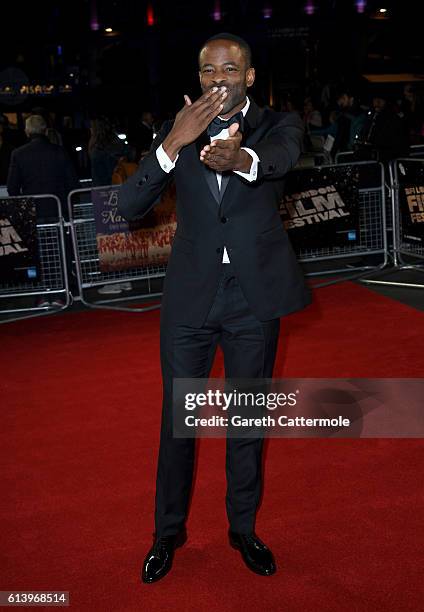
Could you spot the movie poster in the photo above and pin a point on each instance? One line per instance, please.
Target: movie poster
(320, 208)
(411, 199)
(19, 261)
(137, 244)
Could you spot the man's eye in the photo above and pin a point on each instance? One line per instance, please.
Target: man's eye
(207, 70)
(231, 69)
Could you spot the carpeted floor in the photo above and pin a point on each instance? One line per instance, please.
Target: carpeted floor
(80, 397)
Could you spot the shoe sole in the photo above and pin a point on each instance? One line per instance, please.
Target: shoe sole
(252, 569)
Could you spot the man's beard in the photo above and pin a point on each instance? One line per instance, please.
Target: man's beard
(234, 98)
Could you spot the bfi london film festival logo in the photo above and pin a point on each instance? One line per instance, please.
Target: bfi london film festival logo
(10, 241)
(314, 206)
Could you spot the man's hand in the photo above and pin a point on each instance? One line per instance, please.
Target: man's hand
(222, 155)
(193, 119)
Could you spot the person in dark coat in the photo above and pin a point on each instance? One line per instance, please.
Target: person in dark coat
(231, 275)
(6, 149)
(105, 149)
(40, 167)
(141, 136)
(384, 136)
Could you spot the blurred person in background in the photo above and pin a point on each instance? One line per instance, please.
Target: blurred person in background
(40, 167)
(352, 116)
(311, 115)
(312, 119)
(106, 151)
(142, 134)
(411, 110)
(383, 136)
(345, 124)
(6, 149)
(54, 136)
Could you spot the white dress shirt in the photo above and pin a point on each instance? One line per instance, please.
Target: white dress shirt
(167, 164)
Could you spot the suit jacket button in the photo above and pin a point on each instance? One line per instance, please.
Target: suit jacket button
(224, 219)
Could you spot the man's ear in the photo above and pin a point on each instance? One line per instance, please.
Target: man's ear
(250, 77)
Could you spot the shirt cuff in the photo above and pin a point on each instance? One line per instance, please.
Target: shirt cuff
(252, 175)
(165, 163)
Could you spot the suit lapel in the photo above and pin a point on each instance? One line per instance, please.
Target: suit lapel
(254, 127)
(224, 183)
(209, 175)
(251, 120)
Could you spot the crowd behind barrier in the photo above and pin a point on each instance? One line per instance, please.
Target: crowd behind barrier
(371, 239)
(81, 278)
(340, 115)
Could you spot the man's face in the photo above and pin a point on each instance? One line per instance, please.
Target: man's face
(378, 104)
(222, 63)
(148, 118)
(343, 101)
(308, 107)
(408, 93)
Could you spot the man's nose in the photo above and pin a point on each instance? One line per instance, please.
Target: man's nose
(218, 80)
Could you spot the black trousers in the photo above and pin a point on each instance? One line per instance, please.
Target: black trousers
(249, 348)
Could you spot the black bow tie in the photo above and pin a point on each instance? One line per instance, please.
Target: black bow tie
(218, 124)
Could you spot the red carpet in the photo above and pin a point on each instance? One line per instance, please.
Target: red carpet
(80, 423)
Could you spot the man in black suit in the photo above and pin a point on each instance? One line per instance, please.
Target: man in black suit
(231, 274)
(40, 167)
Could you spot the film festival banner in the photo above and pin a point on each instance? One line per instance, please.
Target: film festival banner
(124, 245)
(19, 260)
(320, 208)
(411, 198)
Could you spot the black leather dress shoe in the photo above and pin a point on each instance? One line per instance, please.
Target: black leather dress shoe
(255, 553)
(159, 559)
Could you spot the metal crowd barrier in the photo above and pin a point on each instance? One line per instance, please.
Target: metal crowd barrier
(372, 242)
(87, 265)
(53, 280)
(407, 255)
(20, 298)
(372, 231)
(343, 157)
(416, 151)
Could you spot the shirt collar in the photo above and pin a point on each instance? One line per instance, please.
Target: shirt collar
(245, 107)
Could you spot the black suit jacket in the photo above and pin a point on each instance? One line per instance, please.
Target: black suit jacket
(244, 218)
(42, 167)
